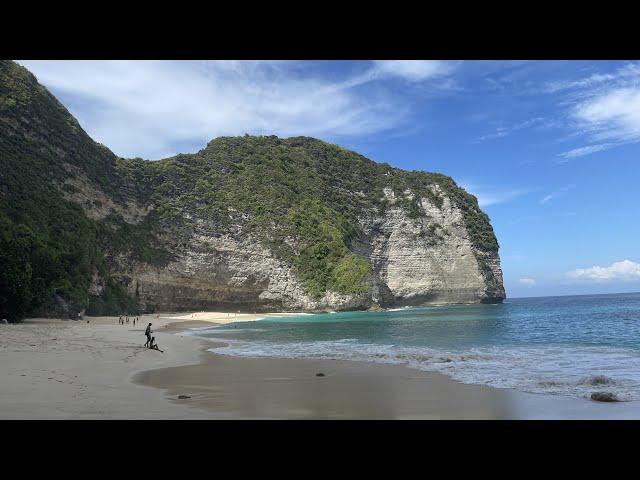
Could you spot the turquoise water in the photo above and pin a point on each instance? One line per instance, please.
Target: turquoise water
(563, 345)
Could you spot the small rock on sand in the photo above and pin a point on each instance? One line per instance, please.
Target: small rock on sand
(604, 397)
(183, 397)
(320, 374)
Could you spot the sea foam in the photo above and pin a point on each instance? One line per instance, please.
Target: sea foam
(551, 370)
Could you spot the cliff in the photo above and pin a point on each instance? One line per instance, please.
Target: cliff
(258, 223)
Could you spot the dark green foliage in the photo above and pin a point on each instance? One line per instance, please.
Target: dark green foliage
(40, 258)
(321, 257)
(114, 300)
(48, 244)
(18, 289)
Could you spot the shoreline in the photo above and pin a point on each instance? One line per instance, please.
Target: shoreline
(289, 388)
(96, 368)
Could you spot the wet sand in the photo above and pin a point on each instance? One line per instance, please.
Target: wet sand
(53, 369)
(268, 388)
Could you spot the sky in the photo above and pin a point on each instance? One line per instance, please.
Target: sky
(550, 148)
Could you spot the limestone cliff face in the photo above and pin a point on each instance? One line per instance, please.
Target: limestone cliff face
(415, 261)
(418, 268)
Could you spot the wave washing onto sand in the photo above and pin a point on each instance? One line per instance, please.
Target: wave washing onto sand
(571, 370)
(198, 331)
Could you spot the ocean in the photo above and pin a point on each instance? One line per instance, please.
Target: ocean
(572, 345)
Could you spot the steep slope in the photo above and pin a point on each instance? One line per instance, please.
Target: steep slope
(248, 222)
(48, 251)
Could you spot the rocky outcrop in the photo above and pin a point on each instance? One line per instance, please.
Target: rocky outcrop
(429, 259)
(604, 397)
(415, 261)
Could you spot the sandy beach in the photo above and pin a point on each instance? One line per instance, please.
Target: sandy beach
(53, 369)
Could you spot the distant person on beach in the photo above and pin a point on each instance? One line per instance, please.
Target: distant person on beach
(154, 345)
(148, 333)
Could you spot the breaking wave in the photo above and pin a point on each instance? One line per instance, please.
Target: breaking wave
(571, 370)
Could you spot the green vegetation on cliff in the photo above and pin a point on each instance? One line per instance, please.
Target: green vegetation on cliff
(323, 261)
(299, 196)
(48, 246)
(275, 183)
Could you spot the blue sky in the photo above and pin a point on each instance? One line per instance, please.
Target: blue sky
(551, 149)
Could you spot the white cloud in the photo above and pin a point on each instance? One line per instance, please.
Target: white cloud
(612, 115)
(604, 108)
(491, 196)
(156, 108)
(594, 79)
(414, 70)
(624, 75)
(529, 282)
(625, 270)
(556, 194)
(502, 131)
(588, 150)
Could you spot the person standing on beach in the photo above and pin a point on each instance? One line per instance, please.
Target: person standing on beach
(148, 333)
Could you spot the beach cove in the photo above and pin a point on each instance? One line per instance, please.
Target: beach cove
(53, 369)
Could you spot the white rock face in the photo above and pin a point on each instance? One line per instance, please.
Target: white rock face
(415, 261)
(229, 273)
(426, 260)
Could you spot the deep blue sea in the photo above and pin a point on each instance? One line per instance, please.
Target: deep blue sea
(571, 345)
